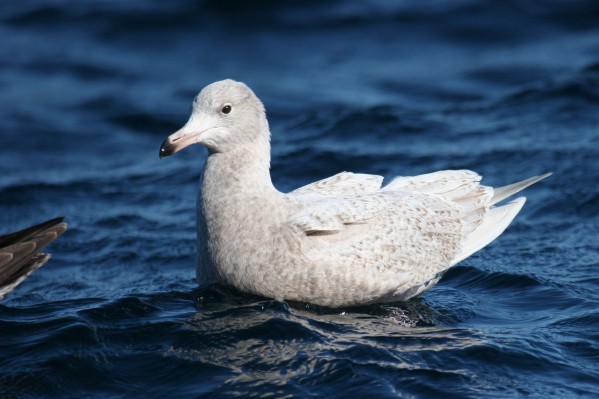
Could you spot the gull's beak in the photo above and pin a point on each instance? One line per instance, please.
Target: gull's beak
(177, 141)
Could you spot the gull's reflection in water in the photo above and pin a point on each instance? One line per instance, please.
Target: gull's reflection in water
(257, 340)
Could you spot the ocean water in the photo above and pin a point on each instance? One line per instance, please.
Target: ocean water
(89, 90)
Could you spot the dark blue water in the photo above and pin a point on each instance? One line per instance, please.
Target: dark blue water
(89, 90)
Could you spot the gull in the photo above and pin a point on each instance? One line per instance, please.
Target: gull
(20, 252)
(343, 241)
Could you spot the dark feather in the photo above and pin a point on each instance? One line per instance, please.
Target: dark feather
(20, 252)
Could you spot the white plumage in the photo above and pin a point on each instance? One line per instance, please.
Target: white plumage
(342, 241)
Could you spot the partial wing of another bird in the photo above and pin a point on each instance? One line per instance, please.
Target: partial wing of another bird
(20, 252)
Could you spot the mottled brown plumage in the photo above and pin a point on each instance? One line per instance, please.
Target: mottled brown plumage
(20, 252)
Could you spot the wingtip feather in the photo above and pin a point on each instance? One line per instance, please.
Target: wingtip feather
(494, 224)
(501, 193)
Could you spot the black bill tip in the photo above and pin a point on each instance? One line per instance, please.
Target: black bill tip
(166, 149)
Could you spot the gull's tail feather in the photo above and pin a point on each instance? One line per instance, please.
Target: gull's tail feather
(494, 223)
(20, 252)
(497, 219)
(501, 193)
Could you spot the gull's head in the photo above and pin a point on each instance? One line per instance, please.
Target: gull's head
(225, 115)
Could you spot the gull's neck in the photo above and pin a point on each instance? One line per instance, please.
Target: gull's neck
(247, 168)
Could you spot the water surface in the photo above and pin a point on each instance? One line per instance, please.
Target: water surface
(89, 90)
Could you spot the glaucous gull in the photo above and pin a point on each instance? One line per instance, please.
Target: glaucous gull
(342, 241)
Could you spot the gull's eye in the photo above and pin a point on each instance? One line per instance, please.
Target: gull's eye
(226, 109)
